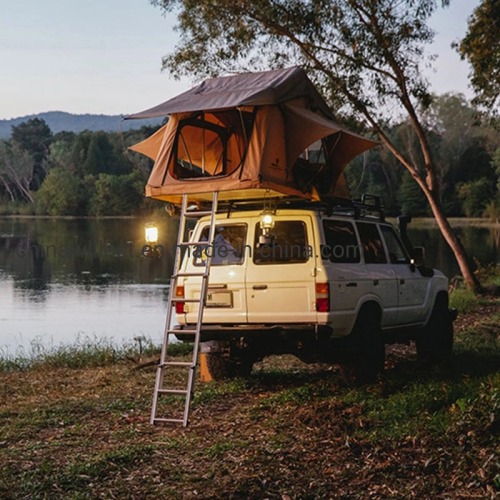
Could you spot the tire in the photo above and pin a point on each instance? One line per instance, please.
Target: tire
(370, 355)
(435, 342)
(221, 368)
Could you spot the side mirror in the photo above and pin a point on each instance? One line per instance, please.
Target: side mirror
(418, 256)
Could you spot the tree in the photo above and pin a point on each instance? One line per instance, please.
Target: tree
(16, 171)
(34, 136)
(62, 193)
(481, 46)
(475, 196)
(365, 55)
(117, 194)
(463, 146)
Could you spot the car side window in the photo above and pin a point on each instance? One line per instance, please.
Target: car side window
(228, 248)
(287, 244)
(341, 242)
(373, 250)
(397, 253)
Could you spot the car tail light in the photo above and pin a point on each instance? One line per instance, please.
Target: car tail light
(179, 294)
(322, 297)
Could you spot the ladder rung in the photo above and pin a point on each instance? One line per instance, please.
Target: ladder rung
(181, 331)
(169, 420)
(185, 301)
(194, 243)
(194, 275)
(198, 213)
(172, 391)
(178, 363)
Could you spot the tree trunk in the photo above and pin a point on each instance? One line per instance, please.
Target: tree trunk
(454, 243)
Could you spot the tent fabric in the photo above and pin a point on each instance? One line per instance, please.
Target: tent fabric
(247, 136)
(151, 146)
(250, 89)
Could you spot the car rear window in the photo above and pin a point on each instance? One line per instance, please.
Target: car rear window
(229, 245)
(287, 245)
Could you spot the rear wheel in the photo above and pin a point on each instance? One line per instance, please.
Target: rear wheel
(221, 367)
(369, 352)
(435, 342)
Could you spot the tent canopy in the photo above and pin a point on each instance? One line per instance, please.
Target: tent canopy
(246, 136)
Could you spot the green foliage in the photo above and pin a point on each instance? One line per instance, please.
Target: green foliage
(481, 46)
(16, 171)
(34, 136)
(411, 198)
(85, 352)
(116, 194)
(89, 172)
(62, 193)
(492, 209)
(463, 300)
(475, 196)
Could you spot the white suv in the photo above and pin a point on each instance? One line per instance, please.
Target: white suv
(326, 282)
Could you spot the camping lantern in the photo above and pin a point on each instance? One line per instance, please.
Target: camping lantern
(266, 226)
(267, 222)
(151, 233)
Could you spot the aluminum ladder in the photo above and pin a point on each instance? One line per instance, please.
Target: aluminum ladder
(166, 363)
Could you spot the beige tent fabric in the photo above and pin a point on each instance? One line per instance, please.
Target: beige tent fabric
(218, 149)
(151, 146)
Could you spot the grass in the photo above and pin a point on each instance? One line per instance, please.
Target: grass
(75, 424)
(463, 300)
(87, 352)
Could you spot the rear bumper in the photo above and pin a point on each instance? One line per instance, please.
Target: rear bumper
(251, 331)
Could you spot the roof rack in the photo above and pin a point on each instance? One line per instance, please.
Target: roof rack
(369, 206)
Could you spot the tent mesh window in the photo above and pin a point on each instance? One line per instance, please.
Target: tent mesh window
(211, 144)
(310, 167)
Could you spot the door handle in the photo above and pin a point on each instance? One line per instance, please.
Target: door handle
(352, 284)
(402, 282)
(259, 287)
(375, 282)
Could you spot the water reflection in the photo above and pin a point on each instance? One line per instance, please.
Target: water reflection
(60, 278)
(481, 242)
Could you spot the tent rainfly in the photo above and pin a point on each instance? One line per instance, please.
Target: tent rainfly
(249, 136)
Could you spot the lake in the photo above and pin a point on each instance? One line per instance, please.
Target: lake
(69, 280)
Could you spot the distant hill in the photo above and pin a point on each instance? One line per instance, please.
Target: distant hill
(59, 121)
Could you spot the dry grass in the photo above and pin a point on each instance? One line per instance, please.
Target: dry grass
(288, 431)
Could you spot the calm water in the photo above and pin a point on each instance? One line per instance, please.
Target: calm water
(64, 280)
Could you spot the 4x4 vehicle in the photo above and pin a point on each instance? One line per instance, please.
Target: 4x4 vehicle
(325, 282)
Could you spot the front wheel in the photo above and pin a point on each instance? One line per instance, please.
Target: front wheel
(435, 342)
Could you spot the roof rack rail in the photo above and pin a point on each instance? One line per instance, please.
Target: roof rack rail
(368, 206)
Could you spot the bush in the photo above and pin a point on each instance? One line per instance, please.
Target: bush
(475, 196)
(62, 193)
(117, 194)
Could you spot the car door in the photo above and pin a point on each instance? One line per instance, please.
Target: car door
(412, 286)
(379, 277)
(226, 297)
(280, 277)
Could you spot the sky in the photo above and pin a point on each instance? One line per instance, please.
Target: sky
(104, 56)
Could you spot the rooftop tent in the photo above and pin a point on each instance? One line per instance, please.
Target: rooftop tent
(247, 136)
